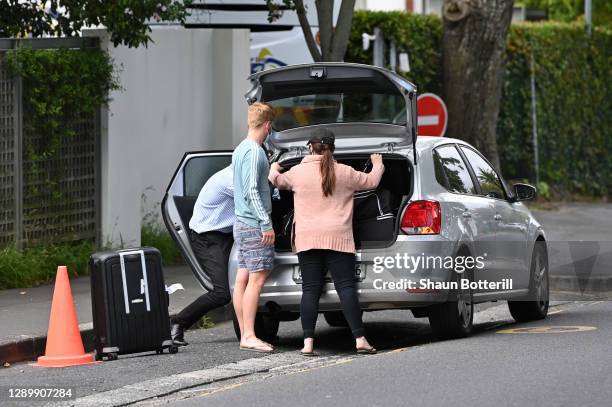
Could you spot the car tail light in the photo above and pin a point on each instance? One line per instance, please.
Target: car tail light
(422, 218)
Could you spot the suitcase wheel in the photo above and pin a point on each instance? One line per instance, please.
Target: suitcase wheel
(173, 349)
(97, 356)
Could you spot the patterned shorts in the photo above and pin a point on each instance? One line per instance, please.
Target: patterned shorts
(252, 254)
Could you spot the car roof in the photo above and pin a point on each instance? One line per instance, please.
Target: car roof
(429, 142)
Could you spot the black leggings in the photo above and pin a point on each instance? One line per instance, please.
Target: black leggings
(313, 265)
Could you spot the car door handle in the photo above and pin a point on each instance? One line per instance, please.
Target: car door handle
(497, 217)
(466, 215)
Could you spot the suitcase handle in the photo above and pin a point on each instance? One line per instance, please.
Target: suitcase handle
(122, 255)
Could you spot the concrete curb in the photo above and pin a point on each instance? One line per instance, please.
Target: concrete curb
(29, 347)
(155, 388)
(581, 285)
(158, 388)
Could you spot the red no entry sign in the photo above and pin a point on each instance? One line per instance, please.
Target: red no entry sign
(433, 115)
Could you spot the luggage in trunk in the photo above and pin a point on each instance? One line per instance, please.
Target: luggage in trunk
(373, 220)
(375, 211)
(129, 303)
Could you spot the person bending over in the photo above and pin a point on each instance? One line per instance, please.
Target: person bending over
(210, 233)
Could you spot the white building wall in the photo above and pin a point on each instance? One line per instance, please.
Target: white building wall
(183, 92)
(381, 5)
(434, 7)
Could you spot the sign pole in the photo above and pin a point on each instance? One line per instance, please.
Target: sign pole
(534, 123)
(588, 16)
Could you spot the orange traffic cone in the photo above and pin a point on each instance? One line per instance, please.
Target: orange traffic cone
(64, 343)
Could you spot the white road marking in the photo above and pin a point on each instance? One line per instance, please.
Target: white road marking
(432, 120)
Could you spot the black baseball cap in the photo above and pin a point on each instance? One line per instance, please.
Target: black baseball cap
(323, 136)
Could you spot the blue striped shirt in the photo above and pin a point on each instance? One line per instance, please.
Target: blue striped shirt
(252, 197)
(214, 208)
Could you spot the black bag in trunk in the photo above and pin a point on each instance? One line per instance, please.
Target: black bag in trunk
(373, 220)
(284, 234)
(129, 303)
(371, 204)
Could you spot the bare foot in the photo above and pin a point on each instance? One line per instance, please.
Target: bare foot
(308, 345)
(255, 344)
(362, 344)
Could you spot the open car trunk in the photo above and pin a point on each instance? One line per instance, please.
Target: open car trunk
(376, 212)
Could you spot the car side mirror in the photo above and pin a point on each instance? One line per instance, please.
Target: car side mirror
(524, 192)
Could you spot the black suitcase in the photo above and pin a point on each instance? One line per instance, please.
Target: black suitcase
(129, 303)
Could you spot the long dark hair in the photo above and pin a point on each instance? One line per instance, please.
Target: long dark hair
(328, 173)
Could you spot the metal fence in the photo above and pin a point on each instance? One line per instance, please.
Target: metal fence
(34, 210)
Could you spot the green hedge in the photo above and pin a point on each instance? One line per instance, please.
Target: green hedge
(417, 34)
(38, 265)
(574, 99)
(63, 90)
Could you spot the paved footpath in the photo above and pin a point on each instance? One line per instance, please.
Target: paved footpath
(580, 244)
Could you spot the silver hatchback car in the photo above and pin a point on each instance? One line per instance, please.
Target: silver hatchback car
(439, 200)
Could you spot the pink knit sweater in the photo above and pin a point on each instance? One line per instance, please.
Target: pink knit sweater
(324, 222)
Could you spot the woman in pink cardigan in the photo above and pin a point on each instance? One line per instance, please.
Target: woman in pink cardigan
(323, 200)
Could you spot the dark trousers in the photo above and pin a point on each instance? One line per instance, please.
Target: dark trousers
(313, 265)
(212, 249)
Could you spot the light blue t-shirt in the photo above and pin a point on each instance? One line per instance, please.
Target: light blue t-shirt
(214, 208)
(252, 200)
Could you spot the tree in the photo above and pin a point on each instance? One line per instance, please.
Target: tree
(334, 40)
(126, 20)
(473, 45)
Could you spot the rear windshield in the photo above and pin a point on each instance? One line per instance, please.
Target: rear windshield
(345, 107)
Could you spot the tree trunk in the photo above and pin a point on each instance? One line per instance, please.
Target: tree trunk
(473, 46)
(310, 40)
(343, 30)
(325, 15)
(334, 40)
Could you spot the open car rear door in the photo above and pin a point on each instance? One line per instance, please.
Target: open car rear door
(365, 106)
(177, 206)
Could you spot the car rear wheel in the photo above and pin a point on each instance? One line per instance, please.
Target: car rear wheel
(266, 327)
(453, 319)
(535, 306)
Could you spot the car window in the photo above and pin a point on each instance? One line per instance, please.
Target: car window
(345, 107)
(199, 169)
(451, 171)
(490, 185)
